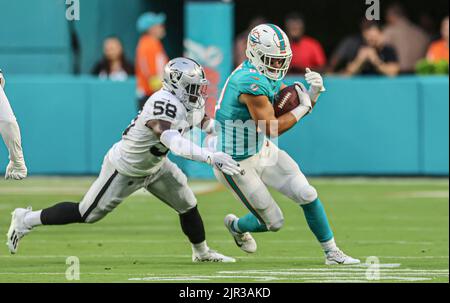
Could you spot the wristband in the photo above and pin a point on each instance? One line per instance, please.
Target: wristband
(300, 111)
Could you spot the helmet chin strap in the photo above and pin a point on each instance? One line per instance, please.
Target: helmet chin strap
(275, 75)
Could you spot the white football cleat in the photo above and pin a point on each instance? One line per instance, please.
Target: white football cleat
(212, 256)
(17, 229)
(244, 241)
(335, 257)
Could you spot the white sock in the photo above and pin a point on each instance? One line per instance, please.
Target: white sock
(329, 245)
(32, 219)
(200, 248)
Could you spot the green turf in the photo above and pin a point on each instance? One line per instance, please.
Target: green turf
(404, 222)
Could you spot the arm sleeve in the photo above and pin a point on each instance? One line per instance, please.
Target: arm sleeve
(183, 147)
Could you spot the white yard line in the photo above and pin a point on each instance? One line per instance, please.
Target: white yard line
(389, 272)
(332, 274)
(340, 274)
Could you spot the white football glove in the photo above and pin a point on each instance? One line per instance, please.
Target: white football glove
(224, 163)
(16, 171)
(315, 81)
(2, 79)
(303, 95)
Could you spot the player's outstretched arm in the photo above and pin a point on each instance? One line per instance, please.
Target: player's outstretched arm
(10, 132)
(185, 148)
(261, 109)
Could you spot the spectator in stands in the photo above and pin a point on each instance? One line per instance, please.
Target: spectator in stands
(409, 40)
(346, 51)
(150, 55)
(306, 51)
(113, 65)
(438, 50)
(374, 57)
(240, 43)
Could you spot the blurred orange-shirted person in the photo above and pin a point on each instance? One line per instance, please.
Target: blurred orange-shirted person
(438, 50)
(150, 55)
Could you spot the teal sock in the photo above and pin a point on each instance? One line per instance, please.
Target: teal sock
(317, 220)
(249, 223)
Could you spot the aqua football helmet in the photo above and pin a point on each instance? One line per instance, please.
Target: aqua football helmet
(268, 49)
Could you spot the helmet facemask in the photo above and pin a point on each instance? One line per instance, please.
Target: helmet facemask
(275, 72)
(186, 79)
(195, 95)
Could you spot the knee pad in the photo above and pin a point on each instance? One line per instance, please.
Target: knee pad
(307, 194)
(276, 226)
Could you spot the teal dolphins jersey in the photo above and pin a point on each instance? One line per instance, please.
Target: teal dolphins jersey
(238, 133)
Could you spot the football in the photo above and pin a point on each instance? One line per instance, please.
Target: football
(285, 101)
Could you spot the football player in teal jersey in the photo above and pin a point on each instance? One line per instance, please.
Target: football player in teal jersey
(245, 122)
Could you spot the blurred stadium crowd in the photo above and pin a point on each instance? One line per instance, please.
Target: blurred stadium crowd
(397, 47)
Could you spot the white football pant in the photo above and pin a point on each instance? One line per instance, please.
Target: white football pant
(270, 167)
(169, 184)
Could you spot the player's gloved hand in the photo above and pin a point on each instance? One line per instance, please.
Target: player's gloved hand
(2, 79)
(224, 163)
(315, 81)
(303, 95)
(16, 171)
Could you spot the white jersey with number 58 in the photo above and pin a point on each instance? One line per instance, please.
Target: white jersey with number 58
(140, 153)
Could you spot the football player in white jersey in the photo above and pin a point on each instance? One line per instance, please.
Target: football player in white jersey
(140, 160)
(10, 132)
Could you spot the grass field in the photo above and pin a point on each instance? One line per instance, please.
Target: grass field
(403, 222)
